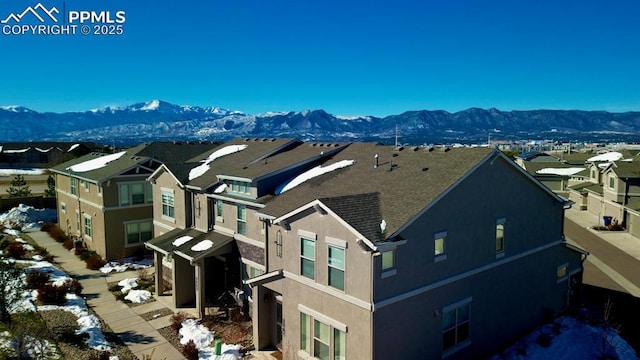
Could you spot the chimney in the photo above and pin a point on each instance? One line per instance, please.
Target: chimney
(375, 165)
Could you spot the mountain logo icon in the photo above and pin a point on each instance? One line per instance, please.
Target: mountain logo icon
(39, 11)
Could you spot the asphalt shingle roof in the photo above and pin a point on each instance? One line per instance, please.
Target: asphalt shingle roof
(164, 243)
(627, 169)
(395, 191)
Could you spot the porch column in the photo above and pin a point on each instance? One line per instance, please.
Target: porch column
(157, 260)
(262, 299)
(200, 292)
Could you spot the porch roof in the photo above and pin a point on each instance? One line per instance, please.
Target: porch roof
(190, 244)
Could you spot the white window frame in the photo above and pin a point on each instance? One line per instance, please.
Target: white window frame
(88, 234)
(240, 220)
(219, 210)
(85, 185)
(99, 190)
(336, 267)
(73, 186)
(305, 235)
(169, 193)
(307, 351)
(440, 256)
(240, 187)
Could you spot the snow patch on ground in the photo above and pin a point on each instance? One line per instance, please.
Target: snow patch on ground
(202, 338)
(126, 264)
(138, 296)
(96, 163)
(575, 340)
(128, 284)
(204, 167)
(27, 217)
(310, 174)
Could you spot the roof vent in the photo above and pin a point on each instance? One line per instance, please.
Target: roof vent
(446, 149)
(273, 139)
(265, 139)
(313, 144)
(425, 168)
(375, 165)
(430, 148)
(256, 139)
(247, 139)
(400, 148)
(415, 148)
(394, 155)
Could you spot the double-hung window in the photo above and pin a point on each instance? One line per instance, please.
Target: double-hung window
(242, 219)
(456, 319)
(73, 186)
(307, 258)
(88, 230)
(336, 262)
(612, 182)
(135, 193)
(168, 203)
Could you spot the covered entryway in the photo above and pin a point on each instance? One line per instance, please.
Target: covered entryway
(205, 267)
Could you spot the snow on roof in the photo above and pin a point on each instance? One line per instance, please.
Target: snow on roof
(73, 147)
(560, 171)
(44, 150)
(610, 156)
(204, 167)
(96, 163)
(220, 189)
(310, 174)
(181, 240)
(17, 151)
(202, 245)
(11, 172)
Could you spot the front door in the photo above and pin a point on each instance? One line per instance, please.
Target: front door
(277, 338)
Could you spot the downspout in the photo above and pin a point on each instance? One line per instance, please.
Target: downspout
(373, 308)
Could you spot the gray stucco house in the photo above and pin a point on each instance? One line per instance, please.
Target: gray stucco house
(363, 251)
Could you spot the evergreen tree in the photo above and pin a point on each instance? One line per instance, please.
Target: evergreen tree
(51, 187)
(19, 187)
(11, 287)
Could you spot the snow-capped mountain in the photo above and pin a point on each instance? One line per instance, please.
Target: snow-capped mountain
(158, 119)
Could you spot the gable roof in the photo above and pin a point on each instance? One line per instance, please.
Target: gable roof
(176, 152)
(235, 164)
(624, 169)
(406, 180)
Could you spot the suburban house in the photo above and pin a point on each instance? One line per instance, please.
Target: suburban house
(366, 251)
(611, 191)
(105, 200)
(214, 198)
(41, 154)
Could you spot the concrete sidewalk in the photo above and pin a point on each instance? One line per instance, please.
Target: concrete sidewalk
(139, 335)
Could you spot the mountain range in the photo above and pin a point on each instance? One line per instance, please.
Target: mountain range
(160, 120)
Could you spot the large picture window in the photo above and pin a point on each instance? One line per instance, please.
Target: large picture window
(135, 193)
(322, 340)
(139, 232)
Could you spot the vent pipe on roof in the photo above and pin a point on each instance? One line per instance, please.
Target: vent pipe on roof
(375, 165)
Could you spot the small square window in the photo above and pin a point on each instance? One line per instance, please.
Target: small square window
(388, 260)
(440, 246)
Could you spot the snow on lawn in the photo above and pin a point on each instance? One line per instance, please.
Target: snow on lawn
(96, 163)
(204, 167)
(203, 337)
(13, 172)
(126, 264)
(138, 296)
(128, 284)
(27, 217)
(57, 276)
(574, 340)
(310, 174)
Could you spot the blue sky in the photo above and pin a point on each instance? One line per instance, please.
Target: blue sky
(347, 57)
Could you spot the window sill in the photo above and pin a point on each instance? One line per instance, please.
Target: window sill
(441, 257)
(133, 245)
(456, 348)
(500, 255)
(388, 273)
(562, 279)
(304, 355)
(168, 218)
(220, 220)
